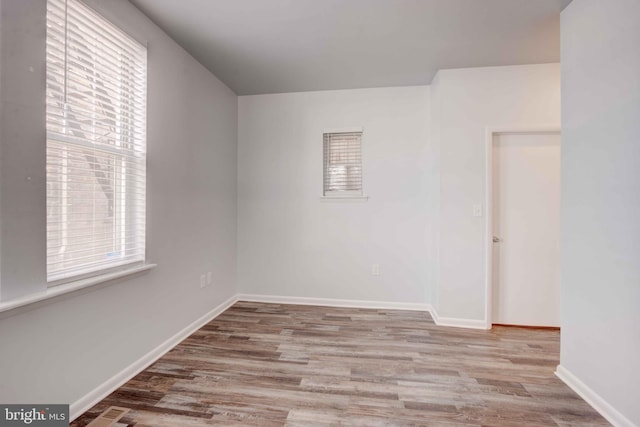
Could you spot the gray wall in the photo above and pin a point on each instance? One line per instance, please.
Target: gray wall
(60, 350)
(291, 243)
(601, 199)
(22, 167)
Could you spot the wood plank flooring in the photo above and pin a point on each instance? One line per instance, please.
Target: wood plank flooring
(289, 365)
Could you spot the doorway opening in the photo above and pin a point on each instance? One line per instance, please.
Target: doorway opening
(523, 227)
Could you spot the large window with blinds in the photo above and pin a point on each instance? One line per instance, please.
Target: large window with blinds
(342, 164)
(96, 144)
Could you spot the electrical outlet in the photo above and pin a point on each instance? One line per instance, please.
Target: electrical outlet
(477, 210)
(208, 278)
(203, 282)
(375, 269)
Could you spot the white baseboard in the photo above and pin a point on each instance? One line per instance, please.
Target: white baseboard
(594, 399)
(78, 407)
(330, 302)
(455, 322)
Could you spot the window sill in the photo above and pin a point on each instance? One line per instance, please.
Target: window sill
(344, 198)
(71, 287)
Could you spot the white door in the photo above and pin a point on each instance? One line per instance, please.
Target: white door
(526, 223)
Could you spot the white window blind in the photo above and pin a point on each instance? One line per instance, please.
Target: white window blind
(96, 143)
(342, 163)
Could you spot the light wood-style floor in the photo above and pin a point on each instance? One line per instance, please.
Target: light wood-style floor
(275, 365)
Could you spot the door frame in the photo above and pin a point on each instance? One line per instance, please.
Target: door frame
(490, 133)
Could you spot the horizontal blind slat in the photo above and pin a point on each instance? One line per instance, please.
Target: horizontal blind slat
(96, 142)
(80, 79)
(60, 272)
(109, 58)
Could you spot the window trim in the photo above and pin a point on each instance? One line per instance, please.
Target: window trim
(76, 285)
(345, 198)
(113, 269)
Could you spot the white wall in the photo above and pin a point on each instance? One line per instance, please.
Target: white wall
(433, 195)
(60, 350)
(465, 102)
(290, 242)
(2, 102)
(601, 200)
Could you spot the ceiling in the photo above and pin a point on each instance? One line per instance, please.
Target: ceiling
(273, 46)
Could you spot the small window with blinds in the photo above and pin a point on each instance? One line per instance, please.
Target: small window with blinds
(96, 144)
(343, 164)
